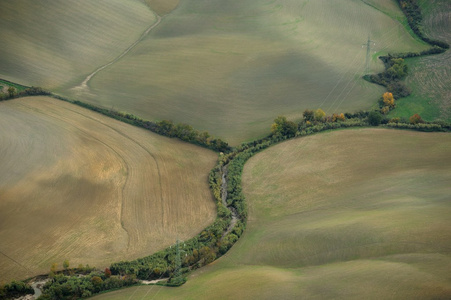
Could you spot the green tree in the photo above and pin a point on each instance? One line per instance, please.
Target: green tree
(374, 118)
(66, 264)
(283, 127)
(398, 70)
(11, 92)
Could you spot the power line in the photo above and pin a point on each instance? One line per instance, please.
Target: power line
(368, 53)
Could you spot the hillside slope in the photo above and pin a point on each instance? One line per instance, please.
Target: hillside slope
(57, 43)
(351, 214)
(230, 67)
(80, 186)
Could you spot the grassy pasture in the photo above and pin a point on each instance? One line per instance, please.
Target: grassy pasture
(429, 77)
(230, 67)
(351, 214)
(57, 43)
(80, 186)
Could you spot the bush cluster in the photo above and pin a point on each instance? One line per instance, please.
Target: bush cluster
(83, 286)
(395, 68)
(31, 91)
(15, 289)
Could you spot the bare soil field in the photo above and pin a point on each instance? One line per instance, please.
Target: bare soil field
(80, 186)
(351, 214)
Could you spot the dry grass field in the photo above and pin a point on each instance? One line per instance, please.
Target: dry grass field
(351, 214)
(80, 186)
(429, 77)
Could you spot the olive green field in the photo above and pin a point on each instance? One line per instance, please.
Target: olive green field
(350, 214)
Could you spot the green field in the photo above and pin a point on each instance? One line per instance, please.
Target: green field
(429, 77)
(351, 214)
(80, 186)
(225, 67)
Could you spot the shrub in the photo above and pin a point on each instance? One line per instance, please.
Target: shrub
(374, 118)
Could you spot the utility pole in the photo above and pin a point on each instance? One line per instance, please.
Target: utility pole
(368, 53)
(178, 261)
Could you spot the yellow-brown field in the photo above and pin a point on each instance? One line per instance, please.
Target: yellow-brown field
(80, 186)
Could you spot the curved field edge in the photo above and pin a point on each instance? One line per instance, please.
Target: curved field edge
(240, 68)
(429, 75)
(71, 190)
(432, 103)
(307, 239)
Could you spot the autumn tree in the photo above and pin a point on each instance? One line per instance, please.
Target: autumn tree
(309, 115)
(388, 99)
(319, 114)
(53, 267)
(107, 272)
(415, 119)
(338, 117)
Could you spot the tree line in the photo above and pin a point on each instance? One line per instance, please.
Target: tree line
(28, 91)
(167, 128)
(395, 67)
(211, 243)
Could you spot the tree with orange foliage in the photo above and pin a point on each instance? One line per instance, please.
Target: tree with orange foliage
(415, 119)
(107, 272)
(338, 117)
(389, 100)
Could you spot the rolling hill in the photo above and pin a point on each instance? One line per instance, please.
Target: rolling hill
(349, 214)
(225, 67)
(80, 186)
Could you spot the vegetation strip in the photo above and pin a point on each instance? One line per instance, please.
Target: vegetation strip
(216, 239)
(395, 67)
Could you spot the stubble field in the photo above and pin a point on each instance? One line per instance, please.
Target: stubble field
(349, 214)
(80, 186)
